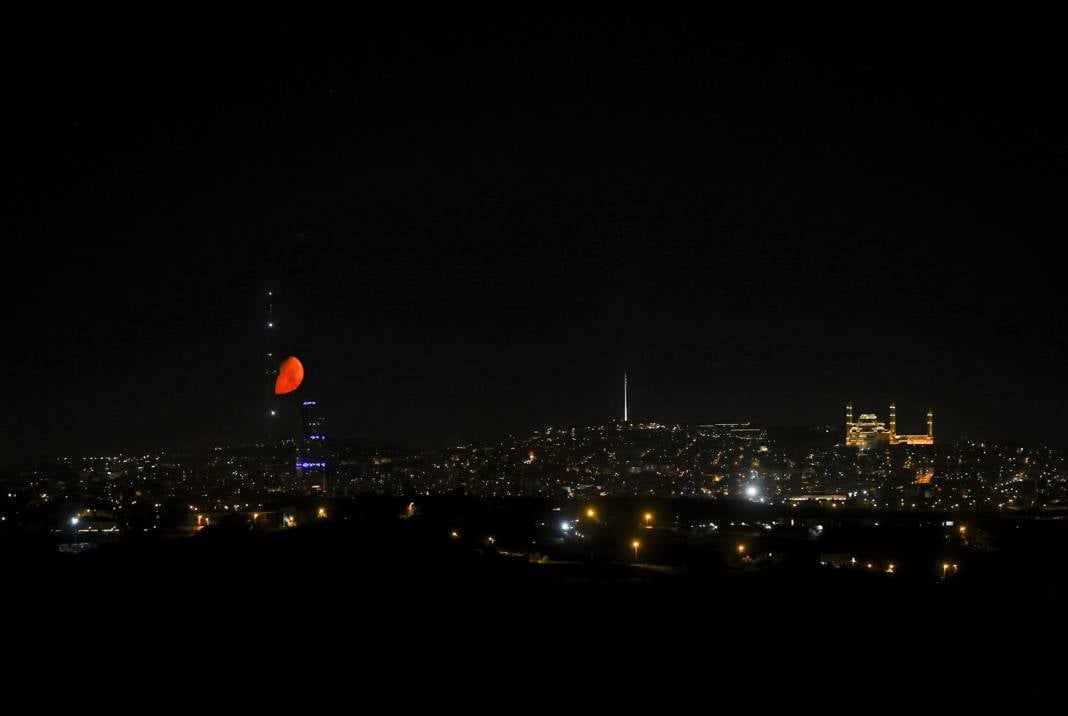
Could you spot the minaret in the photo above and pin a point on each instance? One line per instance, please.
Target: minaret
(893, 422)
(849, 418)
(930, 423)
(625, 418)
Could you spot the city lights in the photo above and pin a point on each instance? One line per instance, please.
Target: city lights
(479, 228)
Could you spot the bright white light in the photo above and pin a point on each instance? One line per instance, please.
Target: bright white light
(74, 520)
(565, 526)
(751, 491)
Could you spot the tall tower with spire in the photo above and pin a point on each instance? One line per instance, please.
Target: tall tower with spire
(893, 422)
(930, 423)
(625, 416)
(849, 417)
(271, 365)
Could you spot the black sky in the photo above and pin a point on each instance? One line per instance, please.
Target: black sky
(475, 227)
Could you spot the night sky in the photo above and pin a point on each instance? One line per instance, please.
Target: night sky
(475, 227)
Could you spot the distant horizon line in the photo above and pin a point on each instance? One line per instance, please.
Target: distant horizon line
(403, 445)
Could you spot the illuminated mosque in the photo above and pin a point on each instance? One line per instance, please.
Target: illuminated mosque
(869, 431)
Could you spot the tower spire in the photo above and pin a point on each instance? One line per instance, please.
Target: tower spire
(893, 422)
(625, 417)
(930, 423)
(271, 365)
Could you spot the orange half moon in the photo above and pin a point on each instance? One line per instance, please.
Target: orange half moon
(290, 376)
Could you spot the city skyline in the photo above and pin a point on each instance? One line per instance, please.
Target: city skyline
(315, 335)
(747, 225)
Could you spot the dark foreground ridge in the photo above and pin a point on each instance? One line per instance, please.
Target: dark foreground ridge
(503, 575)
(623, 545)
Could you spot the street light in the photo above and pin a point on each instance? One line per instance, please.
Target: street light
(945, 568)
(591, 513)
(74, 523)
(635, 544)
(648, 519)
